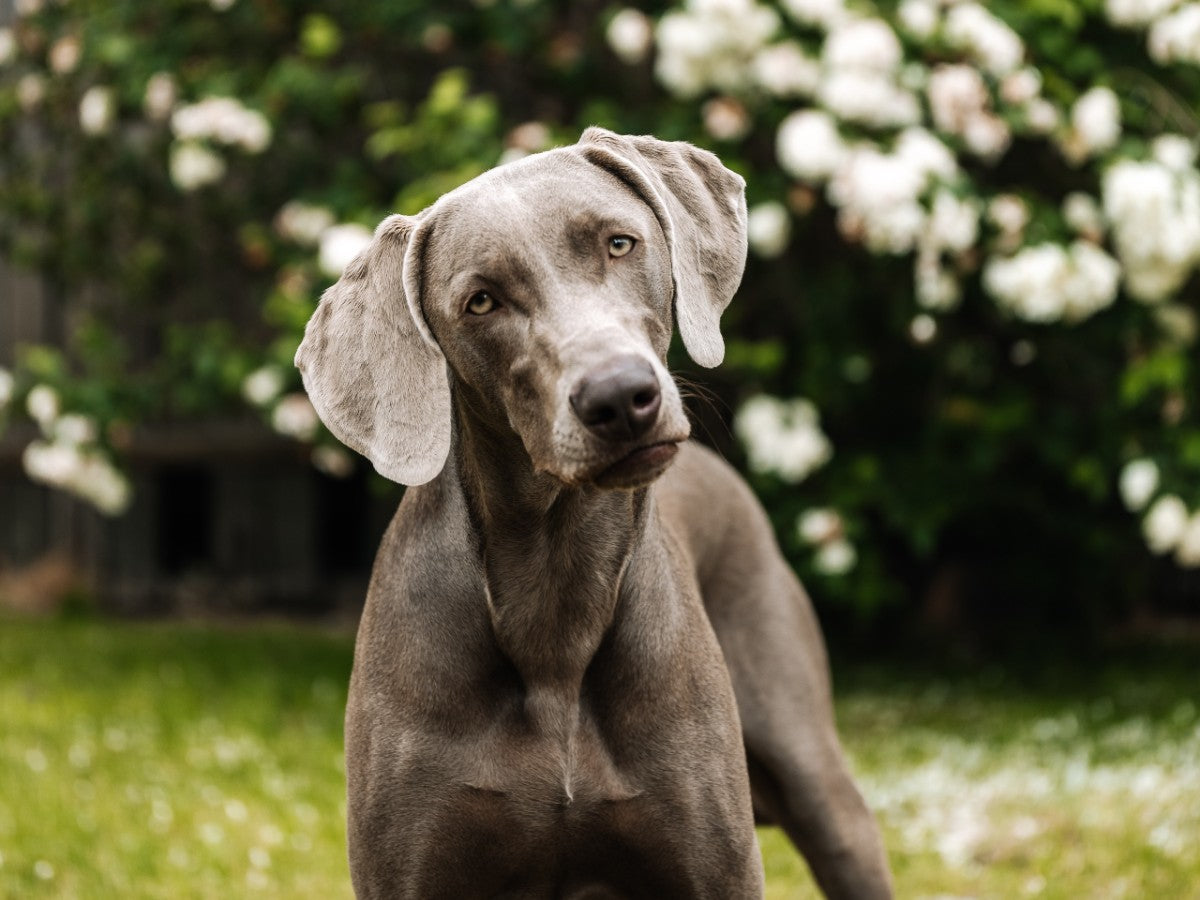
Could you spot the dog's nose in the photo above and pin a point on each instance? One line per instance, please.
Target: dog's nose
(619, 400)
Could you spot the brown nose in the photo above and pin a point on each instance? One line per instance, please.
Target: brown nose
(618, 400)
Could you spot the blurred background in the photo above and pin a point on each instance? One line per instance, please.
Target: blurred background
(961, 375)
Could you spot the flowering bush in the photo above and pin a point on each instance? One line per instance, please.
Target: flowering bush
(975, 232)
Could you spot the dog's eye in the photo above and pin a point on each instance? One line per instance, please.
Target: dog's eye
(481, 303)
(620, 244)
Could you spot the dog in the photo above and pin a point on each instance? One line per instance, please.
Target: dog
(583, 666)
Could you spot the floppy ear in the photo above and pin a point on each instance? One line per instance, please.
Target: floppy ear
(371, 367)
(701, 206)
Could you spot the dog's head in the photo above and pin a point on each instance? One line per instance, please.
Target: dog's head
(543, 291)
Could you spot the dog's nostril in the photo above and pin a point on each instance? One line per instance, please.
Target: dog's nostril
(600, 415)
(644, 398)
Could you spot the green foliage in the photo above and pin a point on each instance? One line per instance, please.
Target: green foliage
(990, 437)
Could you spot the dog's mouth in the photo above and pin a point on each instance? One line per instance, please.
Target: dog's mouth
(639, 467)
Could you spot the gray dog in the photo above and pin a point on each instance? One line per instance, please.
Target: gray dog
(583, 665)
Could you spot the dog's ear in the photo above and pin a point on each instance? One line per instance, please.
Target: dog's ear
(371, 367)
(701, 206)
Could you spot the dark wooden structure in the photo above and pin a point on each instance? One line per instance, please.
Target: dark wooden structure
(227, 516)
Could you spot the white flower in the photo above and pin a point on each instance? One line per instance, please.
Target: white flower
(877, 196)
(926, 154)
(42, 405)
(1154, 215)
(710, 43)
(85, 474)
(103, 486)
(868, 98)
(1041, 116)
(630, 34)
(54, 464)
(1008, 212)
(808, 145)
(263, 385)
(303, 223)
(936, 287)
(1048, 282)
(863, 45)
(96, 110)
(295, 417)
(1177, 321)
(1187, 552)
(972, 28)
(725, 119)
(224, 120)
(64, 54)
(7, 386)
(1165, 524)
(1174, 151)
(784, 70)
(333, 461)
(1021, 86)
(1133, 13)
(193, 166)
(8, 46)
(31, 90)
(922, 329)
(835, 558)
(160, 96)
(340, 244)
(1176, 37)
(1096, 120)
(1138, 482)
(960, 104)
(1082, 214)
(952, 224)
(825, 13)
(221, 5)
(74, 428)
(769, 227)
(782, 437)
(918, 17)
(818, 525)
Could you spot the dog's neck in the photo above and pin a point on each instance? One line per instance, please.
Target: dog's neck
(554, 559)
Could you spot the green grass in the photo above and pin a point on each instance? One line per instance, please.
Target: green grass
(173, 761)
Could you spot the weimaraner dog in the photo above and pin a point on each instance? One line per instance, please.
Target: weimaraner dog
(583, 666)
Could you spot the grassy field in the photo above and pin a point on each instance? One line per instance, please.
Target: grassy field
(174, 761)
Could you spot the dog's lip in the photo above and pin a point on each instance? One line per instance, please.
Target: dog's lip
(639, 462)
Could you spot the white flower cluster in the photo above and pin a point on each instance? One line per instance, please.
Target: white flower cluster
(960, 105)
(1167, 525)
(823, 529)
(220, 120)
(1154, 213)
(711, 43)
(1173, 34)
(68, 456)
(782, 437)
(861, 59)
(1049, 282)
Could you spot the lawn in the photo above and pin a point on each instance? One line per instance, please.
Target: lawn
(171, 760)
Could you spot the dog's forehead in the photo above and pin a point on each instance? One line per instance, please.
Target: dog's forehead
(537, 196)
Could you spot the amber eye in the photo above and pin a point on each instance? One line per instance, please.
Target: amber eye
(481, 303)
(620, 244)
